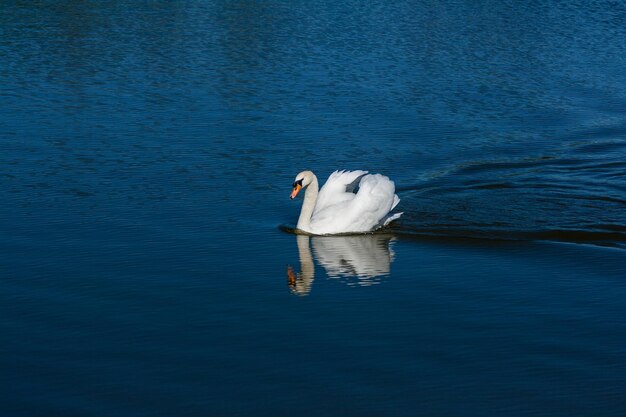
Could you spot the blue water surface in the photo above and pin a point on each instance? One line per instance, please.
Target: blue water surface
(147, 151)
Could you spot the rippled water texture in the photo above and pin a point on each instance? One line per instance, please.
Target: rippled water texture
(146, 155)
(494, 120)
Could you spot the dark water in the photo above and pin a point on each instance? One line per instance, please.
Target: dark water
(146, 155)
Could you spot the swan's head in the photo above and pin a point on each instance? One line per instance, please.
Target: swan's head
(302, 180)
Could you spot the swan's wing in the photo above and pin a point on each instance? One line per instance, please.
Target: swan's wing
(367, 210)
(338, 188)
(375, 199)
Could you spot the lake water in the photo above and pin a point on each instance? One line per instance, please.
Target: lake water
(147, 151)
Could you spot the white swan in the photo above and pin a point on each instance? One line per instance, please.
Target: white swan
(337, 209)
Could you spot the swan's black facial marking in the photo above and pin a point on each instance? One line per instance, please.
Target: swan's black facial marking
(297, 186)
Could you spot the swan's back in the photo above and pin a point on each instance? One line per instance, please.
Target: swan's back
(341, 211)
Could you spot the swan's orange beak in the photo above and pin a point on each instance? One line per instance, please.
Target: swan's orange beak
(296, 190)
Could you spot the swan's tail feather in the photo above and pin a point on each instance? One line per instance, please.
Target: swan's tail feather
(391, 218)
(396, 200)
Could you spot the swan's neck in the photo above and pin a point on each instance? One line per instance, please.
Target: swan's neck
(310, 198)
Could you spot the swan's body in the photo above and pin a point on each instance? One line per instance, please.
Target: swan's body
(337, 209)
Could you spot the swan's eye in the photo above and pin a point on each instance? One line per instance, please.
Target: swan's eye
(298, 182)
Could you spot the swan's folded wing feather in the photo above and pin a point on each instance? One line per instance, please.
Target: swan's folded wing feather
(375, 199)
(366, 211)
(334, 190)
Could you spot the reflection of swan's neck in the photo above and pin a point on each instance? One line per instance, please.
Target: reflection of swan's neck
(301, 283)
(310, 197)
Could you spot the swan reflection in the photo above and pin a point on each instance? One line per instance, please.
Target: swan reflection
(356, 260)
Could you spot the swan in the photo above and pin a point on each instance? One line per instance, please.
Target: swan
(337, 208)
